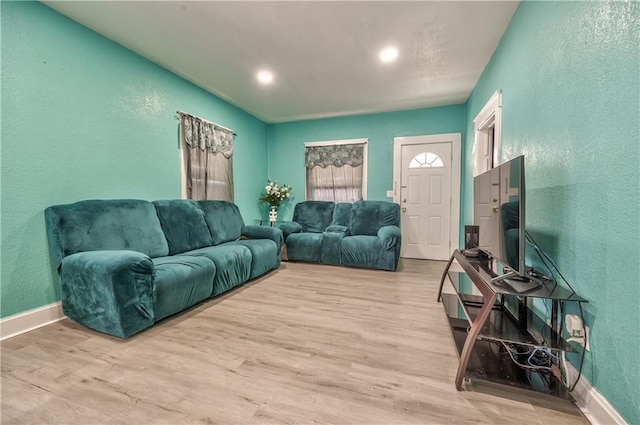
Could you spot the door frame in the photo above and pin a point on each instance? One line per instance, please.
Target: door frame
(456, 160)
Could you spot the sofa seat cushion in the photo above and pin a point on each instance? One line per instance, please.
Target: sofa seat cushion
(233, 265)
(183, 225)
(264, 255)
(181, 281)
(361, 251)
(305, 247)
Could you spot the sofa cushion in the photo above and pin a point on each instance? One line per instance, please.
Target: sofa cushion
(96, 225)
(264, 255)
(369, 216)
(361, 251)
(181, 281)
(224, 220)
(233, 265)
(305, 247)
(183, 224)
(342, 214)
(313, 216)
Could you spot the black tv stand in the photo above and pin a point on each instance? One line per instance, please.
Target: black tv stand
(486, 316)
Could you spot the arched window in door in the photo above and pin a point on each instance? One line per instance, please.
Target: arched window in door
(426, 160)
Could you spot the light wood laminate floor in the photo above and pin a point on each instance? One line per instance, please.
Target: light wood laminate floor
(305, 344)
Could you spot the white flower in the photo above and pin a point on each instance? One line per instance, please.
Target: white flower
(288, 195)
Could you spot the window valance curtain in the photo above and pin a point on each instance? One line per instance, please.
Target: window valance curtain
(198, 133)
(336, 155)
(335, 171)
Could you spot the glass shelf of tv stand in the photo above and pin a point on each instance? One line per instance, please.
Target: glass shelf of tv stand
(548, 289)
(489, 322)
(500, 326)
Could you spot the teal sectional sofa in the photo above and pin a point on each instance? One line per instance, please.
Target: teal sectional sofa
(126, 264)
(363, 234)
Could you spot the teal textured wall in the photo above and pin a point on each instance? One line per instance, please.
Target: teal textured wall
(286, 143)
(570, 75)
(85, 118)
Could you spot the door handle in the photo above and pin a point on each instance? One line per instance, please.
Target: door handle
(404, 209)
(495, 209)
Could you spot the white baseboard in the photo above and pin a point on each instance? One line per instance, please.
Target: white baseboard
(591, 403)
(29, 320)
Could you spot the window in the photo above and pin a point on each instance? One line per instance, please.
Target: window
(206, 151)
(487, 128)
(336, 170)
(426, 160)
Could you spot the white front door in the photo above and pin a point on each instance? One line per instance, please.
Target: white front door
(485, 208)
(425, 200)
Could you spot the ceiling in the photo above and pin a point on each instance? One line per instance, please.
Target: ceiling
(324, 54)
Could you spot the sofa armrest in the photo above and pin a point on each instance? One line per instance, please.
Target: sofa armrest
(336, 228)
(289, 227)
(109, 291)
(390, 236)
(263, 232)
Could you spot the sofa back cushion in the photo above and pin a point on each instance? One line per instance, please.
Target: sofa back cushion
(342, 214)
(224, 220)
(96, 225)
(367, 217)
(313, 216)
(183, 224)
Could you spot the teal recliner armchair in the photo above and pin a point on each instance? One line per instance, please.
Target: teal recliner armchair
(363, 234)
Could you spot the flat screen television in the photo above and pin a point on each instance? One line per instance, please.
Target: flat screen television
(499, 211)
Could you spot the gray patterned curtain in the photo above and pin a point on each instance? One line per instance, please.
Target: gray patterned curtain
(208, 159)
(335, 172)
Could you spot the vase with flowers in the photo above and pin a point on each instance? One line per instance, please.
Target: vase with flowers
(274, 195)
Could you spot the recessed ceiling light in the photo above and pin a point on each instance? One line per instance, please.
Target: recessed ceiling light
(388, 54)
(265, 77)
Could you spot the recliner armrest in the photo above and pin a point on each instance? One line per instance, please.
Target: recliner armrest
(263, 232)
(109, 291)
(336, 228)
(289, 227)
(390, 236)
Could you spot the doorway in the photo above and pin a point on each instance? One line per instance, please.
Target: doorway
(427, 188)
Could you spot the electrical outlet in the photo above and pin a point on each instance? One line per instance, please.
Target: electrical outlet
(580, 339)
(390, 194)
(586, 328)
(577, 333)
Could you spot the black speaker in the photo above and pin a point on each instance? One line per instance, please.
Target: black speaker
(471, 237)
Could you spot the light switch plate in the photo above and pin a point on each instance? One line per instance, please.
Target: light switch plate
(390, 194)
